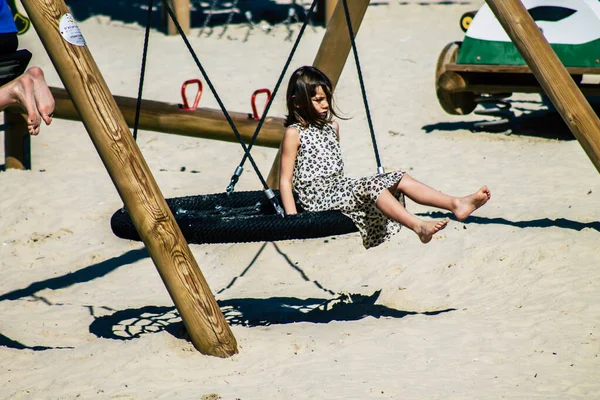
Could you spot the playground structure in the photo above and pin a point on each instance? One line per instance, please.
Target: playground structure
(108, 129)
(182, 8)
(486, 68)
(155, 116)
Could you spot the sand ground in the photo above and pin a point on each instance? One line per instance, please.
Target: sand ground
(502, 306)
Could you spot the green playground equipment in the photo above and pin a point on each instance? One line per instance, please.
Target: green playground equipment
(486, 67)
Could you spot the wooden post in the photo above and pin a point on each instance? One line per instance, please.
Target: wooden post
(17, 147)
(181, 9)
(161, 235)
(552, 75)
(336, 43)
(332, 55)
(329, 7)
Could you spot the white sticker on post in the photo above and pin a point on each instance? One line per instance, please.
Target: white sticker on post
(70, 31)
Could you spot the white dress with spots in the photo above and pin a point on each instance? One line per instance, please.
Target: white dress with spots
(319, 184)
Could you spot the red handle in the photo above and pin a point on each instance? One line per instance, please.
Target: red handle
(186, 105)
(253, 102)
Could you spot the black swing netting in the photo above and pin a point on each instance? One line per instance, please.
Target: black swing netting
(239, 217)
(234, 217)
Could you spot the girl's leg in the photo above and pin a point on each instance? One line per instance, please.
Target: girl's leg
(461, 207)
(393, 209)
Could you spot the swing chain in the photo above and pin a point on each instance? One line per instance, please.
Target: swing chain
(274, 202)
(362, 85)
(234, 179)
(274, 93)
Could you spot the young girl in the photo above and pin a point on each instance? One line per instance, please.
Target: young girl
(312, 167)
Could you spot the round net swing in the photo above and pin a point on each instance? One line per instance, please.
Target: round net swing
(252, 216)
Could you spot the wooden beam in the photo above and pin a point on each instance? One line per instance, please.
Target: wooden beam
(552, 75)
(149, 212)
(335, 46)
(17, 148)
(181, 9)
(332, 55)
(329, 7)
(205, 123)
(454, 82)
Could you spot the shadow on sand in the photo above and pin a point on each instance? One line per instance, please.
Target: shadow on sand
(562, 223)
(544, 122)
(5, 341)
(133, 323)
(82, 275)
(250, 312)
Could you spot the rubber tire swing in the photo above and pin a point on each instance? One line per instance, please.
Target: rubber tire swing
(239, 217)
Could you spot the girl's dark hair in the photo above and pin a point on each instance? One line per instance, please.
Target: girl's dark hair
(301, 88)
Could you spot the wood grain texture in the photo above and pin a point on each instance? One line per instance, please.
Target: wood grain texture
(551, 74)
(110, 134)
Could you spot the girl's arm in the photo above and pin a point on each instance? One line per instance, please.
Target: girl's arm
(289, 150)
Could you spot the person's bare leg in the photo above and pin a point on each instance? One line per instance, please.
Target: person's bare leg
(393, 209)
(461, 207)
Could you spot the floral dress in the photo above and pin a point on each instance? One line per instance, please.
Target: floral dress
(319, 184)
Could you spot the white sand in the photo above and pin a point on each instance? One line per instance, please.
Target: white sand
(504, 306)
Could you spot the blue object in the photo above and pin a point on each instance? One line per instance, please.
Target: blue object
(7, 22)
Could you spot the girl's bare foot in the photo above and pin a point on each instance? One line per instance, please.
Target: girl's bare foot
(429, 228)
(464, 206)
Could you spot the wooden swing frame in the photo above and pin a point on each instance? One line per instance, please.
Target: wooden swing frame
(174, 261)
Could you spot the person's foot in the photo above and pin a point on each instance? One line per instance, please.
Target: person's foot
(43, 96)
(464, 206)
(430, 228)
(22, 91)
(31, 91)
